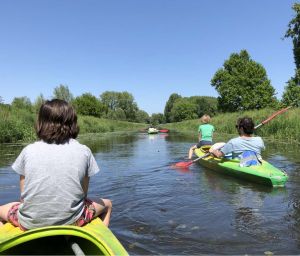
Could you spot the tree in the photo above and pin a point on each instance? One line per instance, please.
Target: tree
(157, 118)
(62, 92)
(183, 109)
(291, 94)
(205, 105)
(169, 105)
(243, 84)
(88, 104)
(122, 100)
(21, 103)
(142, 117)
(1, 100)
(38, 102)
(110, 99)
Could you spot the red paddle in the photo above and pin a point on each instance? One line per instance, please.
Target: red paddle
(187, 164)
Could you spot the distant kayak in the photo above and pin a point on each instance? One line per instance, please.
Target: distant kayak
(152, 131)
(164, 130)
(265, 173)
(92, 239)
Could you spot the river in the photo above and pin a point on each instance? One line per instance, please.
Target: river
(158, 209)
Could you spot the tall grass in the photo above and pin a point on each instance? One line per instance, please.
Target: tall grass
(284, 127)
(18, 125)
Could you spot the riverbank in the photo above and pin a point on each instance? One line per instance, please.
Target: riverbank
(284, 127)
(18, 125)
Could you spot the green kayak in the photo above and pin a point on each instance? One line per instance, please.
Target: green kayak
(92, 239)
(265, 173)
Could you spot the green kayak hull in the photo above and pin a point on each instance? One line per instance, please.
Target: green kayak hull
(265, 173)
(93, 239)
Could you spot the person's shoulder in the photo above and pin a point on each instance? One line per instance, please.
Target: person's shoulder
(77, 144)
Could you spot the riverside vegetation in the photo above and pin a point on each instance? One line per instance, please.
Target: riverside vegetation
(17, 125)
(285, 127)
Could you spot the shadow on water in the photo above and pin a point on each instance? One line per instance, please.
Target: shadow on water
(159, 209)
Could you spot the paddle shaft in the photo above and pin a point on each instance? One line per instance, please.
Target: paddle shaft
(272, 116)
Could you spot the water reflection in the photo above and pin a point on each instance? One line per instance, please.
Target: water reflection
(162, 210)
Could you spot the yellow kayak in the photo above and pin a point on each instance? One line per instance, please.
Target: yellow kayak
(92, 239)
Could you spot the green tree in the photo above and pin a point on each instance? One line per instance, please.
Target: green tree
(62, 92)
(110, 99)
(183, 109)
(205, 105)
(157, 118)
(1, 100)
(291, 94)
(142, 117)
(242, 84)
(22, 103)
(88, 104)
(38, 102)
(169, 105)
(122, 100)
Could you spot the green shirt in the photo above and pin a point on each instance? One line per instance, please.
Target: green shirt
(206, 131)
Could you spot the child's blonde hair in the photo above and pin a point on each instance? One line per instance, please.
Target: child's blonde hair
(205, 119)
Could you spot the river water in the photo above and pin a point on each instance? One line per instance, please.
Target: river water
(161, 210)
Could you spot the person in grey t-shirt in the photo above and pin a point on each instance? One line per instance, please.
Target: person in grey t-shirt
(54, 175)
(245, 142)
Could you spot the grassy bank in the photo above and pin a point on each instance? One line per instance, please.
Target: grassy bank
(18, 125)
(285, 127)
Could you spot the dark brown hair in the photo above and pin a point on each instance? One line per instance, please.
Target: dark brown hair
(57, 122)
(247, 124)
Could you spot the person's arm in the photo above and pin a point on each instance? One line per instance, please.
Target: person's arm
(216, 152)
(22, 180)
(85, 184)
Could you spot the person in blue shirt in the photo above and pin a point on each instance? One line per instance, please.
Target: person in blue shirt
(245, 142)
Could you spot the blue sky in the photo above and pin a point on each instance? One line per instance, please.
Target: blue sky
(150, 48)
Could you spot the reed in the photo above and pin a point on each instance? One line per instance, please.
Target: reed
(285, 127)
(18, 125)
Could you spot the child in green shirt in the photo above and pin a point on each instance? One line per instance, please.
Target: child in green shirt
(205, 134)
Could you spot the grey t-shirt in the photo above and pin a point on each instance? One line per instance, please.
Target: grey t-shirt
(238, 145)
(54, 174)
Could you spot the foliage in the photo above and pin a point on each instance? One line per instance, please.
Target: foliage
(285, 127)
(169, 105)
(38, 102)
(291, 95)
(294, 33)
(117, 114)
(120, 100)
(242, 84)
(205, 105)
(183, 109)
(62, 92)
(88, 104)
(142, 116)
(21, 103)
(157, 118)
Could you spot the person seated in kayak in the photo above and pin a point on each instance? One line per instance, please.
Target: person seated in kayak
(54, 175)
(205, 134)
(246, 146)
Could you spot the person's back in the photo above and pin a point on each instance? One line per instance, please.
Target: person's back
(245, 142)
(206, 131)
(54, 177)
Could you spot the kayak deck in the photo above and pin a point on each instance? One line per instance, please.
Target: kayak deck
(265, 173)
(93, 239)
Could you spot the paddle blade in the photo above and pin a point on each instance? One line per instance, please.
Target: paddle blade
(183, 164)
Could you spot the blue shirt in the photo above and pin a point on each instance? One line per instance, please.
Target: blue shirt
(239, 144)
